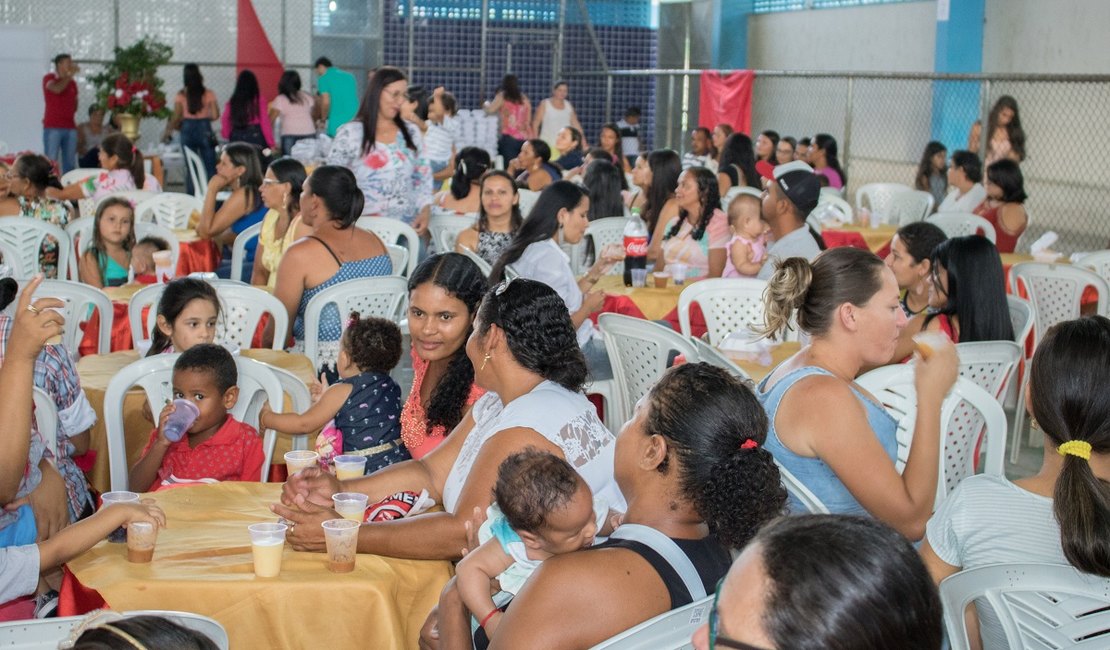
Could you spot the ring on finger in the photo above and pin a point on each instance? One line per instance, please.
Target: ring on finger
(33, 309)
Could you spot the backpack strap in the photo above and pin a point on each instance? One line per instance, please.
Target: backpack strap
(669, 551)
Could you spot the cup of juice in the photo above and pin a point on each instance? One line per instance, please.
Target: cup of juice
(295, 461)
(350, 505)
(348, 466)
(341, 538)
(267, 544)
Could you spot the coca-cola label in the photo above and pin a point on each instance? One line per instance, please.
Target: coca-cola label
(635, 246)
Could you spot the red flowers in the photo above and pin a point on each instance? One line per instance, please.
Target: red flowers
(135, 97)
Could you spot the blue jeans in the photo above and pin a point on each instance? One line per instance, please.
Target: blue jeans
(197, 135)
(61, 145)
(287, 142)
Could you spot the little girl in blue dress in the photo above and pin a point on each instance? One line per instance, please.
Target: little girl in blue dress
(361, 413)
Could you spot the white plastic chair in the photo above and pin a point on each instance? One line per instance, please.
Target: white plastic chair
(966, 411)
(197, 173)
(639, 351)
(527, 201)
(78, 297)
(170, 209)
(239, 251)
(9, 255)
(144, 230)
(511, 273)
(668, 631)
(1056, 293)
(444, 229)
(24, 236)
(714, 357)
(241, 310)
(148, 296)
(80, 174)
(1022, 317)
(843, 209)
(1044, 606)
(398, 258)
(35, 634)
(604, 232)
(46, 422)
(1098, 262)
(877, 196)
(907, 207)
(135, 197)
(482, 265)
(154, 375)
(960, 224)
(992, 365)
(383, 297)
(300, 399)
(799, 491)
(391, 231)
(728, 304)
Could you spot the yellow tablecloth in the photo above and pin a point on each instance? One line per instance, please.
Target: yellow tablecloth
(203, 564)
(779, 354)
(655, 303)
(97, 370)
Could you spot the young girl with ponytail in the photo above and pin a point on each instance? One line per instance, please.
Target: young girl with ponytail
(1061, 514)
(123, 163)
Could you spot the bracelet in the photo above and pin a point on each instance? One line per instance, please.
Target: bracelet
(488, 617)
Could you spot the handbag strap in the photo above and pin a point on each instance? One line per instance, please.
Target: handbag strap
(668, 550)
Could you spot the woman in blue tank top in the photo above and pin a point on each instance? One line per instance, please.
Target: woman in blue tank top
(338, 251)
(833, 436)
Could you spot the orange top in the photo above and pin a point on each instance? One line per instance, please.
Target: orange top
(414, 423)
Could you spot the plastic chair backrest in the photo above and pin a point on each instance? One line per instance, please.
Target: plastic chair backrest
(382, 296)
(154, 375)
(134, 197)
(169, 209)
(482, 265)
(728, 304)
(878, 196)
(444, 229)
(1098, 262)
(1038, 605)
(1056, 291)
(715, 357)
(639, 351)
(511, 273)
(34, 634)
(300, 399)
(241, 309)
(398, 258)
(992, 365)
(1022, 317)
(827, 199)
(527, 201)
(239, 251)
(960, 224)
(392, 231)
(9, 255)
(197, 173)
(46, 418)
(967, 411)
(668, 631)
(80, 174)
(907, 207)
(603, 232)
(148, 296)
(78, 297)
(799, 491)
(24, 236)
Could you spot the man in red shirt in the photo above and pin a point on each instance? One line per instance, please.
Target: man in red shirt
(59, 131)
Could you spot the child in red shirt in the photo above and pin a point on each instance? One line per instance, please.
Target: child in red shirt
(217, 446)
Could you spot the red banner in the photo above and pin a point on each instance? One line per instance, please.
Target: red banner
(254, 52)
(726, 99)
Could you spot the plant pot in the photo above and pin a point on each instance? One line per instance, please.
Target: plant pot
(129, 125)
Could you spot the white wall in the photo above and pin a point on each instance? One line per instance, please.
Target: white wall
(893, 37)
(22, 68)
(1047, 36)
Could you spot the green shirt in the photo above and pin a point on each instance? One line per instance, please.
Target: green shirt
(343, 92)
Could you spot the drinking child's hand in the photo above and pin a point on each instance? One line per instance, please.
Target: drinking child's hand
(167, 410)
(318, 387)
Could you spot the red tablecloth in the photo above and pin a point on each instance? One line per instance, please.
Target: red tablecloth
(839, 238)
(200, 256)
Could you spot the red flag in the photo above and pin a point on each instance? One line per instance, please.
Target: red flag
(727, 99)
(254, 52)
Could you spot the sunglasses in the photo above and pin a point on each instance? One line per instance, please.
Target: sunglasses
(715, 639)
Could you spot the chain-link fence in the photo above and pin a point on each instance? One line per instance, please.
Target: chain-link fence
(882, 123)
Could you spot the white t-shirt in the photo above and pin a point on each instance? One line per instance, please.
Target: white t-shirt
(989, 520)
(956, 202)
(440, 138)
(565, 418)
(554, 120)
(545, 262)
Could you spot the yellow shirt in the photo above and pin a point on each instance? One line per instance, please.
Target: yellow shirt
(272, 249)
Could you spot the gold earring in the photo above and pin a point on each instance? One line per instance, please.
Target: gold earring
(485, 360)
(1033, 424)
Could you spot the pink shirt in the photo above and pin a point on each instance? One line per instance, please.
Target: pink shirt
(296, 119)
(514, 120)
(759, 251)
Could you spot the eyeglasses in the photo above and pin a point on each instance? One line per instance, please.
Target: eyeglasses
(715, 639)
(270, 181)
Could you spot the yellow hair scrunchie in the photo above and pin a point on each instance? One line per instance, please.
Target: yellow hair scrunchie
(1080, 448)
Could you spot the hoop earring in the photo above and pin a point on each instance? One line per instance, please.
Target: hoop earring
(485, 360)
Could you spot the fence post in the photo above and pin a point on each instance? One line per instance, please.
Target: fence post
(848, 128)
(984, 114)
(670, 111)
(608, 96)
(412, 36)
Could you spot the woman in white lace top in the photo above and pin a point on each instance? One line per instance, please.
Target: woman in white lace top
(526, 356)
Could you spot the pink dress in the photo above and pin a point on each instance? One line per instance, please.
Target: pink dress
(414, 423)
(759, 251)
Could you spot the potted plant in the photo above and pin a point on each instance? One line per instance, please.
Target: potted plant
(129, 86)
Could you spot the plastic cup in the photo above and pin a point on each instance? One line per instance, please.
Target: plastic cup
(341, 538)
(678, 272)
(348, 466)
(178, 423)
(876, 219)
(295, 461)
(661, 279)
(119, 535)
(639, 277)
(163, 265)
(141, 537)
(350, 505)
(267, 544)
(928, 342)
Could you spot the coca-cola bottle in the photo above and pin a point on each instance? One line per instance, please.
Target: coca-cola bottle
(635, 245)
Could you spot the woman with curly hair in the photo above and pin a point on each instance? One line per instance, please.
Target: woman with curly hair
(693, 468)
(1006, 138)
(523, 353)
(699, 237)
